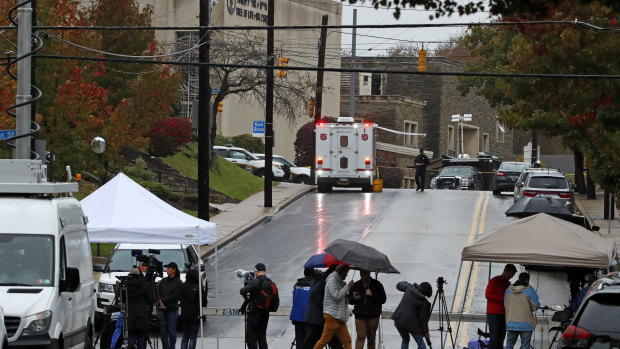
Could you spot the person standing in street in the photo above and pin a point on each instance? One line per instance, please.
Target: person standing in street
(413, 313)
(314, 320)
(139, 302)
(520, 301)
(495, 306)
(367, 296)
(257, 320)
(420, 163)
(189, 297)
(335, 310)
(301, 294)
(168, 303)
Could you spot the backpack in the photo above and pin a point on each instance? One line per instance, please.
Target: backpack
(267, 298)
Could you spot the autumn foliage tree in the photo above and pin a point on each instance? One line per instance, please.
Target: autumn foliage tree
(304, 142)
(168, 135)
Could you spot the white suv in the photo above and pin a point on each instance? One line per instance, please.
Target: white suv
(246, 160)
(123, 258)
(298, 174)
(4, 339)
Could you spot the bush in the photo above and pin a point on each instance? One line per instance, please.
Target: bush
(249, 143)
(305, 141)
(139, 171)
(168, 135)
(222, 140)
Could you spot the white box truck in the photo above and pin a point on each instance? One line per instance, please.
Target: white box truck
(46, 280)
(345, 155)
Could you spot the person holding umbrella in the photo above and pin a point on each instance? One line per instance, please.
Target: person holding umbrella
(367, 297)
(335, 310)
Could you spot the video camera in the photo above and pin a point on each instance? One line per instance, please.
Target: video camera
(153, 264)
(440, 282)
(246, 275)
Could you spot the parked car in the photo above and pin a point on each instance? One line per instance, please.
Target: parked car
(597, 317)
(297, 174)
(549, 185)
(507, 175)
(523, 177)
(4, 339)
(123, 258)
(246, 160)
(458, 177)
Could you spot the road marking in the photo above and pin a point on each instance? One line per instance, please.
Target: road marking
(472, 285)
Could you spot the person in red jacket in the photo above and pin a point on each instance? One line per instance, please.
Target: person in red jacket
(495, 306)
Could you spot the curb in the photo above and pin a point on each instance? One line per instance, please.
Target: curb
(583, 211)
(210, 249)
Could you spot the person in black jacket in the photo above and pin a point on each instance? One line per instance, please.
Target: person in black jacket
(168, 303)
(257, 320)
(138, 304)
(314, 314)
(420, 163)
(190, 316)
(367, 297)
(413, 313)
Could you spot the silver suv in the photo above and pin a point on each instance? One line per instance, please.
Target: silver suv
(551, 185)
(524, 176)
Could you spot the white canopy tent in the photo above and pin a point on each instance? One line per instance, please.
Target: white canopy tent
(122, 211)
(543, 240)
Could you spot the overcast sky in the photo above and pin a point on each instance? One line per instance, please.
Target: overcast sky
(384, 38)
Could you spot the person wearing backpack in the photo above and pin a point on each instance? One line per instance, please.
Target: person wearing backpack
(262, 296)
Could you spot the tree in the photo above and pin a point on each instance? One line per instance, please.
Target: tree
(495, 7)
(403, 49)
(581, 111)
(304, 142)
(168, 135)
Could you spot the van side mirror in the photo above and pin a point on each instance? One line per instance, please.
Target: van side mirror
(72, 280)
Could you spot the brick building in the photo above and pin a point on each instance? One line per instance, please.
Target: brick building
(423, 104)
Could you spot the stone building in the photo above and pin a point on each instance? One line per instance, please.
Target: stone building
(300, 46)
(424, 104)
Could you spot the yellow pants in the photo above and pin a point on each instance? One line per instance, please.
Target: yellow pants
(332, 327)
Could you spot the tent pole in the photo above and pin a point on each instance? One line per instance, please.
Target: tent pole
(486, 323)
(458, 326)
(200, 265)
(216, 294)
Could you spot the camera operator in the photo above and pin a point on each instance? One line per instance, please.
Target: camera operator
(168, 303)
(413, 313)
(139, 302)
(257, 320)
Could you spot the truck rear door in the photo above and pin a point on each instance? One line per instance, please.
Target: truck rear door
(344, 151)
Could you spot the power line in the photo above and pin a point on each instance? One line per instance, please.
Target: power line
(344, 70)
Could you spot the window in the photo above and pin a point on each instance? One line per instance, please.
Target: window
(344, 141)
(411, 127)
(450, 141)
(366, 77)
(221, 152)
(189, 80)
(499, 132)
(63, 259)
(344, 162)
(485, 142)
(235, 154)
(548, 183)
(375, 88)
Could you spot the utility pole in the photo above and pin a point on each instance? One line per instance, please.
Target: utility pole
(353, 74)
(534, 147)
(204, 111)
(319, 92)
(269, 105)
(24, 86)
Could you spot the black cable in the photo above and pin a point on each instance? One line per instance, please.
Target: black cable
(343, 70)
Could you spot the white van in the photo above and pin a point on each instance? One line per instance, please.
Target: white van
(46, 281)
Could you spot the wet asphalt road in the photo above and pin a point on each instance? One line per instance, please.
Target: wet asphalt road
(423, 234)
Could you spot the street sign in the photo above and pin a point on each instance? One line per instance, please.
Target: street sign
(215, 90)
(6, 134)
(258, 129)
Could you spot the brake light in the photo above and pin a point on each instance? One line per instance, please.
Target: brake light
(320, 124)
(319, 160)
(367, 160)
(500, 173)
(529, 193)
(566, 195)
(576, 332)
(367, 125)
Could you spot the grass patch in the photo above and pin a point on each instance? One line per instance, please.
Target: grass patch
(225, 177)
(106, 249)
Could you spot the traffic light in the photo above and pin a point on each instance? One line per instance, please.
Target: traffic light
(220, 107)
(311, 107)
(422, 60)
(282, 62)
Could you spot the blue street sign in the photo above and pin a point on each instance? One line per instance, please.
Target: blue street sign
(258, 129)
(6, 134)
(215, 90)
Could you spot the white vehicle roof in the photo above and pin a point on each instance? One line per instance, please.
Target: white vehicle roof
(149, 246)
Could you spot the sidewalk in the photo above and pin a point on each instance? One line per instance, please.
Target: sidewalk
(250, 212)
(593, 211)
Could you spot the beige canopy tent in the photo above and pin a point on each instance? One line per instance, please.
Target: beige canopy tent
(543, 240)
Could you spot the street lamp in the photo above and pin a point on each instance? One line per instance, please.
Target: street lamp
(460, 119)
(98, 146)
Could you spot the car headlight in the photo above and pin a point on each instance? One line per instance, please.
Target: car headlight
(464, 182)
(433, 182)
(106, 288)
(38, 323)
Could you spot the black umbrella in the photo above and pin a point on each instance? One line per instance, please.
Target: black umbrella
(530, 206)
(360, 256)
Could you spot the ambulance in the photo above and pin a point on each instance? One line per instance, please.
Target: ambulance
(345, 155)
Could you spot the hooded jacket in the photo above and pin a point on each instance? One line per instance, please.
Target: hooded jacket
(413, 311)
(368, 307)
(335, 301)
(314, 309)
(520, 301)
(189, 298)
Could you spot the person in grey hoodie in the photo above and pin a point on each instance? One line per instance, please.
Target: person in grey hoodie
(335, 310)
(520, 301)
(413, 313)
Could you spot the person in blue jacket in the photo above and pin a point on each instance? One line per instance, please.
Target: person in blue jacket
(301, 293)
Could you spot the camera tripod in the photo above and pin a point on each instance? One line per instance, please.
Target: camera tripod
(444, 314)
